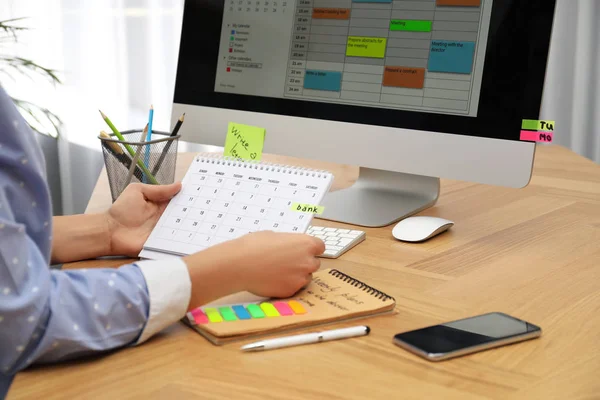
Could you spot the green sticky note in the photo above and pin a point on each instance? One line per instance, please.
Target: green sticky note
(244, 141)
(227, 313)
(213, 315)
(307, 208)
(363, 46)
(410, 25)
(269, 309)
(535, 125)
(255, 311)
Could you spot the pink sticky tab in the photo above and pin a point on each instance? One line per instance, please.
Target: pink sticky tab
(199, 316)
(533, 136)
(283, 308)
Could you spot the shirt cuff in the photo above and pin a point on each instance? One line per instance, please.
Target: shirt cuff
(169, 290)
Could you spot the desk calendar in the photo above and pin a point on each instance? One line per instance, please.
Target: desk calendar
(222, 199)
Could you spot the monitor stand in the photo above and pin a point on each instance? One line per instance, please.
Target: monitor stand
(380, 198)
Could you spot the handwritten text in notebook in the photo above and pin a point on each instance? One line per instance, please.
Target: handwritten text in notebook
(225, 199)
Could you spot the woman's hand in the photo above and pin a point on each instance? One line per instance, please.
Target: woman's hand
(264, 263)
(134, 214)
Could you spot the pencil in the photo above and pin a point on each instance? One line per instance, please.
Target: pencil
(168, 145)
(120, 155)
(149, 137)
(128, 147)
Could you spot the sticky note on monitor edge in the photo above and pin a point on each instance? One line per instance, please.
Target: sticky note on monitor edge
(535, 125)
(244, 142)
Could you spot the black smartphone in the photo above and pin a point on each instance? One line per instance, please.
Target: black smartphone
(466, 336)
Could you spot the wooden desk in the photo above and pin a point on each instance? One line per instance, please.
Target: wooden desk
(533, 253)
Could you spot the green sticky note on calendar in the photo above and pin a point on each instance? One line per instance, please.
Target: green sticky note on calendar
(244, 142)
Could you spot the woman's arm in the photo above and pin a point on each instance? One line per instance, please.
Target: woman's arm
(80, 237)
(121, 230)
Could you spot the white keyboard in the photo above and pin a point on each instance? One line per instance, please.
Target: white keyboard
(337, 241)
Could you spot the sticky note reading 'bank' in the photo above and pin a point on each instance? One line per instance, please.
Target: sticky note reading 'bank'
(244, 142)
(307, 208)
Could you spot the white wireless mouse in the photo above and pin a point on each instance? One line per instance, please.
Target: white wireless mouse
(418, 229)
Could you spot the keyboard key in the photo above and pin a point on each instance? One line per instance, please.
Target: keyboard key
(330, 229)
(343, 230)
(331, 234)
(344, 241)
(355, 232)
(316, 228)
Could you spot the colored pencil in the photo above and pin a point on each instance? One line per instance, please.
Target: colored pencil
(149, 137)
(168, 145)
(128, 147)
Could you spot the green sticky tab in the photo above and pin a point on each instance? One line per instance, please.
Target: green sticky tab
(255, 311)
(244, 141)
(269, 309)
(213, 315)
(410, 25)
(535, 125)
(307, 208)
(362, 46)
(227, 313)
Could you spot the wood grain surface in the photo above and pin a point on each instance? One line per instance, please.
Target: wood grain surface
(533, 253)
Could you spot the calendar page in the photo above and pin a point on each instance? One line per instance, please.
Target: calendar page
(224, 199)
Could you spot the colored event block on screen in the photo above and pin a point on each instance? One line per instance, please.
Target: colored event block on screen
(269, 310)
(297, 307)
(405, 77)
(199, 316)
(410, 25)
(213, 315)
(283, 308)
(451, 56)
(323, 80)
(227, 314)
(241, 312)
(533, 136)
(331, 13)
(458, 3)
(365, 46)
(372, 1)
(255, 311)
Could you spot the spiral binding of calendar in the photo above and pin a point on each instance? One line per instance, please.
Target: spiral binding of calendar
(361, 285)
(218, 159)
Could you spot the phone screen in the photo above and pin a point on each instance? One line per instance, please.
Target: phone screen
(464, 333)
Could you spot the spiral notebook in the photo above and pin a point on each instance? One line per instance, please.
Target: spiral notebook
(222, 199)
(331, 297)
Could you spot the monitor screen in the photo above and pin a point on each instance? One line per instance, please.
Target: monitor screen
(469, 67)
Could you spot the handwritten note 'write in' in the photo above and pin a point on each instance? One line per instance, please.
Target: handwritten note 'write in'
(244, 141)
(535, 125)
(307, 208)
(534, 136)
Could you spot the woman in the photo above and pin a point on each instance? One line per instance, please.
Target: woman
(50, 315)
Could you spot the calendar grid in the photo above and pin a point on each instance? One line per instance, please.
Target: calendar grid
(225, 200)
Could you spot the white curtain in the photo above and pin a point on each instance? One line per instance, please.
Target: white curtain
(120, 56)
(572, 92)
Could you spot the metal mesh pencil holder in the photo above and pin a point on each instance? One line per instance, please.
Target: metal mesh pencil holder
(135, 160)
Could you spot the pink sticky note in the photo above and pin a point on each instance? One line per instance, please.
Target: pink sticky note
(199, 316)
(283, 308)
(533, 136)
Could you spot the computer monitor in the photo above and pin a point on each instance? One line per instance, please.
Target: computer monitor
(409, 91)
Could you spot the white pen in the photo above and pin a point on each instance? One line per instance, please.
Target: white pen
(307, 338)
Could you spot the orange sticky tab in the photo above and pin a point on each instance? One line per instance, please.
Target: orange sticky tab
(296, 307)
(269, 309)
